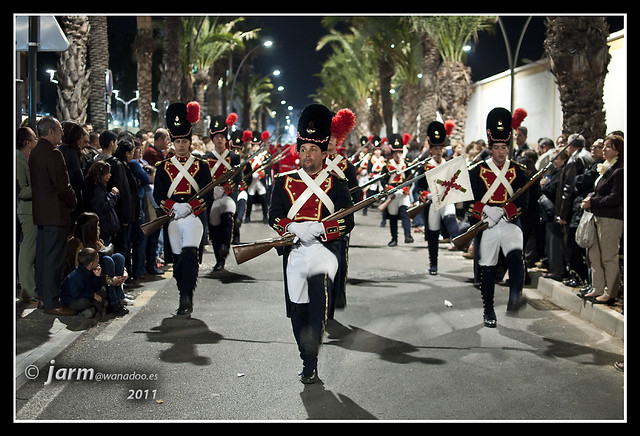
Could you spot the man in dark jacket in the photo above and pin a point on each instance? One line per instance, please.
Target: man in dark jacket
(53, 200)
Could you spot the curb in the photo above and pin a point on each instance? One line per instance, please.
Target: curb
(602, 316)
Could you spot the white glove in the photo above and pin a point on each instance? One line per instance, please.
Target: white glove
(493, 214)
(306, 231)
(181, 210)
(218, 192)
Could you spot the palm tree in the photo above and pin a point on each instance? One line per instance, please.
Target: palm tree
(349, 79)
(579, 57)
(407, 57)
(205, 40)
(171, 78)
(257, 101)
(73, 77)
(99, 61)
(428, 107)
(143, 46)
(382, 33)
(450, 33)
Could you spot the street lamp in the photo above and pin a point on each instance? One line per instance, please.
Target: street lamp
(126, 103)
(267, 44)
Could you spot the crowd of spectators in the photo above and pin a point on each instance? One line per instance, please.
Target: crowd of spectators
(80, 194)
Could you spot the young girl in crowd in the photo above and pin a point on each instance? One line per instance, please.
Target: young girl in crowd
(102, 201)
(86, 233)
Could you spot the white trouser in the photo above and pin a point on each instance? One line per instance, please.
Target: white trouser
(306, 261)
(435, 216)
(224, 204)
(504, 235)
(399, 199)
(185, 232)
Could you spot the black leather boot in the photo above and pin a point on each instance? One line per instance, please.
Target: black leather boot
(487, 289)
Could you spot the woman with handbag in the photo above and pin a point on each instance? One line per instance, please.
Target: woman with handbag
(606, 203)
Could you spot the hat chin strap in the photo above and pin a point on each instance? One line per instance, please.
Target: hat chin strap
(492, 140)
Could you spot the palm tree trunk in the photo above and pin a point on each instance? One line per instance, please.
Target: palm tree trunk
(428, 106)
(171, 77)
(73, 77)
(99, 62)
(454, 92)
(385, 73)
(143, 49)
(579, 57)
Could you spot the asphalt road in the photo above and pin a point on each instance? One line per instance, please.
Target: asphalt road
(397, 352)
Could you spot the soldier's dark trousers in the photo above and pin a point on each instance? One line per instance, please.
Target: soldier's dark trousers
(309, 321)
(406, 223)
(185, 270)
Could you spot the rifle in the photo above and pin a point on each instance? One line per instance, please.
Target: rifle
(415, 210)
(389, 174)
(156, 224)
(247, 251)
(461, 241)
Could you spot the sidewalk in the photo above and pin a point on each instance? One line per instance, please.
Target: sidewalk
(608, 318)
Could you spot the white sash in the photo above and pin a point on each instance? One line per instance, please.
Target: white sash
(313, 187)
(183, 173)
(220, 161)
(500, 180)
(332, 165)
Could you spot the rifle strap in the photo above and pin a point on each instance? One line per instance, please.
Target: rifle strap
(499, 180)
(313, 187)
(220, 160)
(183, 173)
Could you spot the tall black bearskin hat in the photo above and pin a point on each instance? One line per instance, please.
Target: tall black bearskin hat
(376, 141)
(438, 132)
(500, 122)
(259, 138)
(220, 125)
(397, 141)
(236, 139)
(180, 118)
(314, 126)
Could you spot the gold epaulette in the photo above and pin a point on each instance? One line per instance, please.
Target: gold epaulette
(521, 165)
(475, 165)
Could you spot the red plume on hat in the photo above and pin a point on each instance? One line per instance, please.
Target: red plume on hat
(231, 119)
(342, 123)
(449, 125)
(193, 112)
(406, 138)
(247, 135)
(265, 135)
(518, 116)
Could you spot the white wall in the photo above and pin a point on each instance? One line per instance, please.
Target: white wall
(536, 92)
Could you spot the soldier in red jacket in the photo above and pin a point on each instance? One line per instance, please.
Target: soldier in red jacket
(493, 181)
(177, 180)
(301, 201)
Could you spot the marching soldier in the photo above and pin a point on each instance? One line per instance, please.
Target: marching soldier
(376, 164)
(257, 189)
(300, 202)
(240, 147)
(221, 214)
(397, 205)
(493, 181)
(178, 179)
(437, 134)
